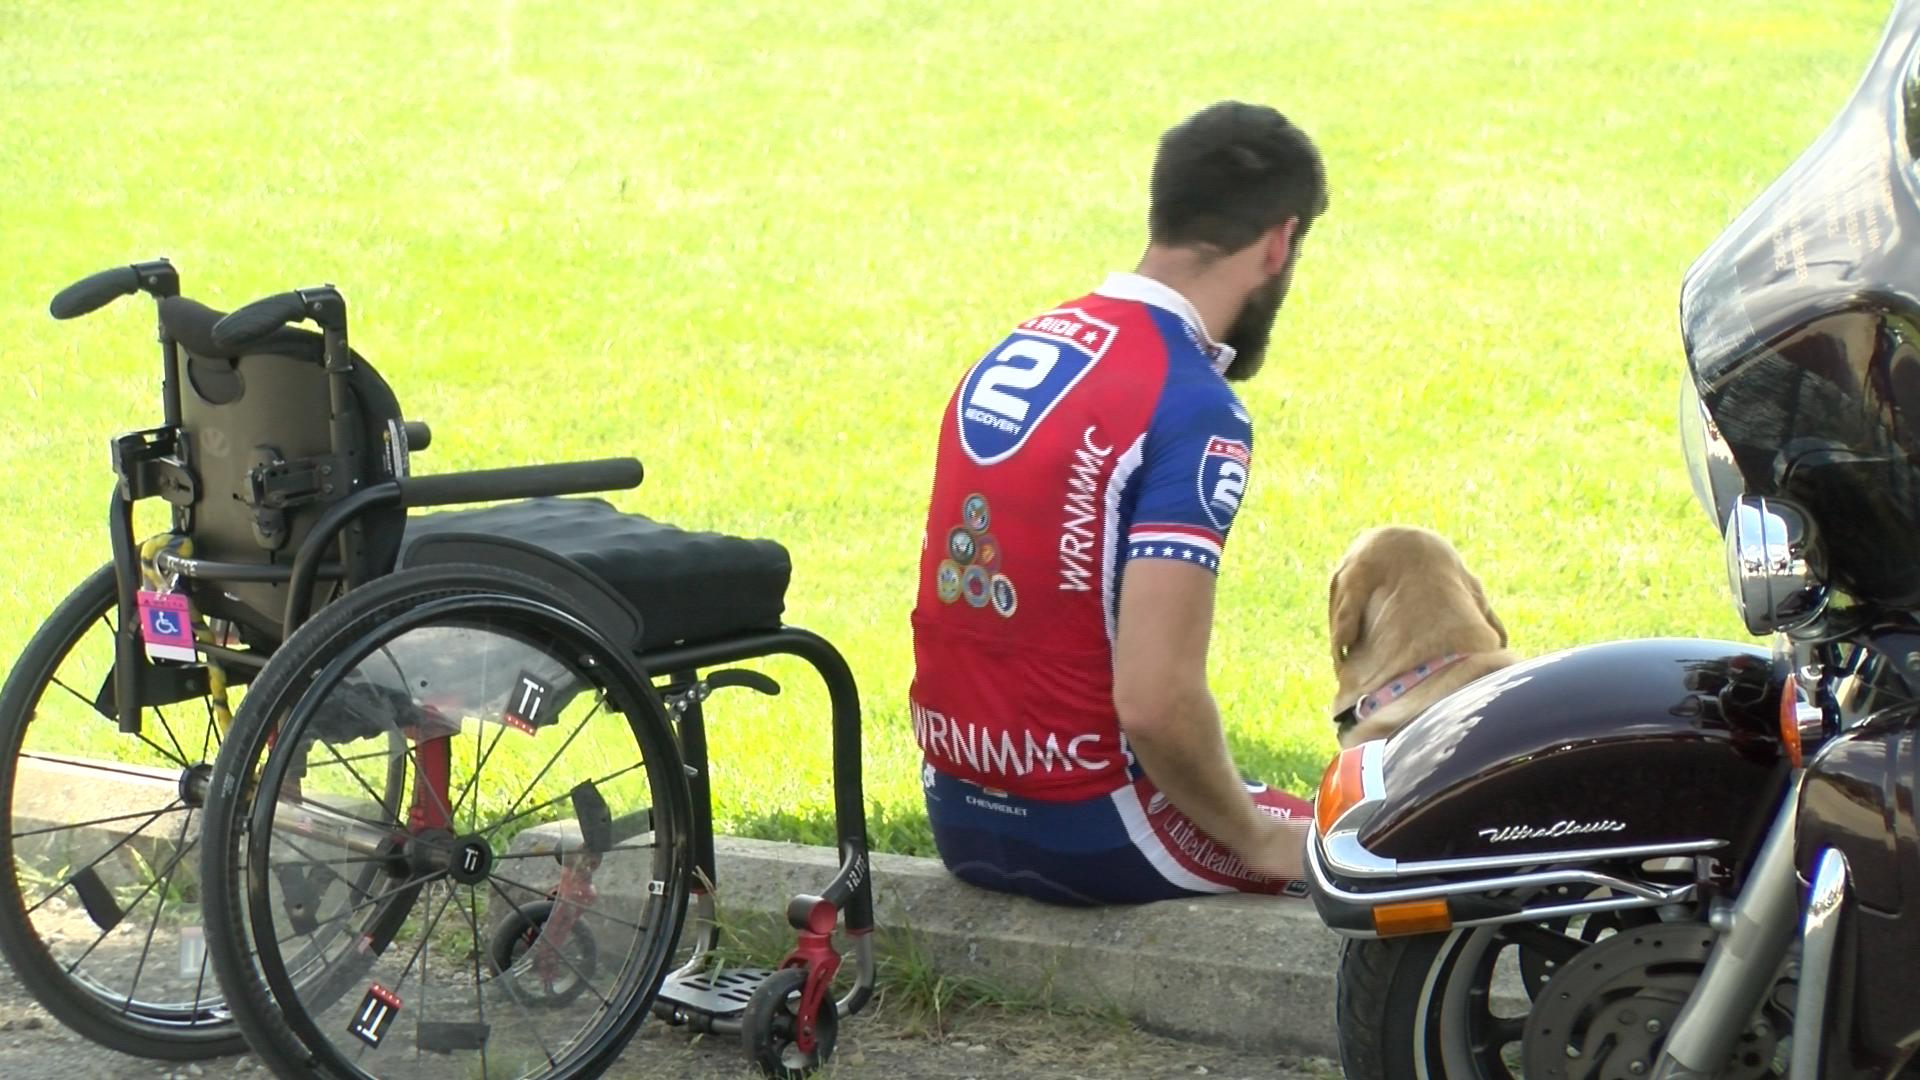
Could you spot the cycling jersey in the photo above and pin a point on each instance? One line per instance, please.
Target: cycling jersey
(1094, 434)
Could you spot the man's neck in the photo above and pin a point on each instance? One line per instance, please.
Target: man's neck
(1185, 273)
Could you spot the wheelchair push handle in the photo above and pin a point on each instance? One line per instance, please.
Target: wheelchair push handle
(249, 324)
(156, 277)
(521, 482)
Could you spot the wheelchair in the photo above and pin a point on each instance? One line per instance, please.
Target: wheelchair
(391, 794)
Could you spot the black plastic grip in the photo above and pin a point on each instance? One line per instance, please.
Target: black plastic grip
(258, 319)
(91, 293)
(419, 435)
(522, 482)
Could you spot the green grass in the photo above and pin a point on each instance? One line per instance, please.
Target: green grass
(755, 243)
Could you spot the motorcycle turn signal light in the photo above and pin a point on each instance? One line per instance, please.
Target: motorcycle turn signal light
(1802, 723)
(1340, 789)
(1412, 917)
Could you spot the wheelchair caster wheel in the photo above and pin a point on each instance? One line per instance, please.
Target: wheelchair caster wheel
(545, 981)
(770, 1027)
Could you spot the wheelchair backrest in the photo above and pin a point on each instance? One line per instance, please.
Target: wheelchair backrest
(256, 431)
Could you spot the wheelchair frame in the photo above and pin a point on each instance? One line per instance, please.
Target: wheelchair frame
(151, 463)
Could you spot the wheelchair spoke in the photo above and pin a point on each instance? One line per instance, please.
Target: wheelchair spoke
(479, 984)
(137, 900)
(77, 695)
(480, 765)
(419, 956)
(162, 751)
(377, 898)
(505, 980)
(559, 901)
(210, 734)
(91, 765)
(556, 856)
(355, 773)
(542, 774)
(556, 800)
(83, 824)
(168, 728)
(98, 859)
(183, 845)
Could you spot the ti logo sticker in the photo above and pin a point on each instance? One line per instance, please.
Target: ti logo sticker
(527, 704)
(1223, 479)
(375, 1015)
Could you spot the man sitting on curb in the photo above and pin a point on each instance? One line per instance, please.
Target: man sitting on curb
(1089, 468)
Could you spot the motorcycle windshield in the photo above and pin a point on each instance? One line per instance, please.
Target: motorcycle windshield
(1802, 330)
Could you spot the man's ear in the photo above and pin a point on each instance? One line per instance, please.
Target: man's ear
(1279, 246)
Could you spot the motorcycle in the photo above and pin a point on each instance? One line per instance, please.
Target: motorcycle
(1686, 858)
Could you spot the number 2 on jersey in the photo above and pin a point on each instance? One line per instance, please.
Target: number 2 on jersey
(1012, 389)
(1004, 373)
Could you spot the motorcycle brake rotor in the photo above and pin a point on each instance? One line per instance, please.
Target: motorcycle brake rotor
(1606, 1012)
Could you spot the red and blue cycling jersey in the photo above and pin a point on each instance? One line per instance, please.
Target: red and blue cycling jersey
(1094, 434)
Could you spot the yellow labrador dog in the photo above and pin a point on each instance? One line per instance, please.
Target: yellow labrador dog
(1410, 625)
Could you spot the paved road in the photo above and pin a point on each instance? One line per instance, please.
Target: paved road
(982, 1043)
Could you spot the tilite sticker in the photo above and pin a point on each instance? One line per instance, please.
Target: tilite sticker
(527, 704)
(375, 1015)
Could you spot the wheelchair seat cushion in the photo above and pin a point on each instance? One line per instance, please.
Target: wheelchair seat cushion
(688, 586)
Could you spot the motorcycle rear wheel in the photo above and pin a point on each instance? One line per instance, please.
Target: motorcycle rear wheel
(1469, 1005)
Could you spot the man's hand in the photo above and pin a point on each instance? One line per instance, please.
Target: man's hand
(1279, 848)
(1171, 722)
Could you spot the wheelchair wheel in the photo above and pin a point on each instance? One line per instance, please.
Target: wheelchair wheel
(100, 910)
(514, 913)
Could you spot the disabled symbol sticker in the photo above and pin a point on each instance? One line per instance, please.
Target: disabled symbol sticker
(166, 625)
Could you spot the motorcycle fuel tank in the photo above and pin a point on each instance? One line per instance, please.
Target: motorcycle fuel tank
(1628, 743)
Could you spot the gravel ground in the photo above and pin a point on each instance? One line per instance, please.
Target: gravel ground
(981, 1043)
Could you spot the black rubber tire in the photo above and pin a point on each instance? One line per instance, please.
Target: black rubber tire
(1380, 982)
(767, 1027)
(72, 1004)
(229, 936)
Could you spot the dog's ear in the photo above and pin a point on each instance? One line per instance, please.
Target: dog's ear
(1486, 609)
(1347, 596)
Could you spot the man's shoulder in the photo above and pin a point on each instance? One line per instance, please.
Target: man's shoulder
(1201, 397)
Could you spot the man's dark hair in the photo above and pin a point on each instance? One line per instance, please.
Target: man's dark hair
(1230, 172)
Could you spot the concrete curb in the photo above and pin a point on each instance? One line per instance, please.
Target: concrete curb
(1251, 972)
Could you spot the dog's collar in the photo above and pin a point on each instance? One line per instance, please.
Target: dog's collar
(1402, 684)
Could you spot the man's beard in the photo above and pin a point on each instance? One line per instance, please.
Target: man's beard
(1254, 326)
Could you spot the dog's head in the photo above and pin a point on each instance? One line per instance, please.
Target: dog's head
(1402, 596)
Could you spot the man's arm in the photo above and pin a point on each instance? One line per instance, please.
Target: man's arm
(1171, 721)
